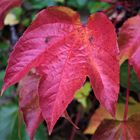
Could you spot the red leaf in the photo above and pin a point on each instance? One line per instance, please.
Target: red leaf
(29, 103)
(118, 130)
(65, 52)
(5, 6)
(129, 43)
(103, 67)
(135, 62)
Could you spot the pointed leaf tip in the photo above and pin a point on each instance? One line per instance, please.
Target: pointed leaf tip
(50, 129)
(111, 106)
(1, 93)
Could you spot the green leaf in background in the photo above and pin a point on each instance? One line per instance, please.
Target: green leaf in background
(39, 4)
(3, 45)
(8, 117)
(3, 53)
(97, 6)
(72, 3)
(9, 124)
(9, 91)
(26, 22)
(77, 3)
(62, 1)
(82, 94)
(134, 83)
(81, 3)
(17, 12)
(41, 134)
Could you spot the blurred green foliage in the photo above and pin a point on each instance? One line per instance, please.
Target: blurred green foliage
(39, 4)
(3, 53)
(9, 129)
(134, 83)
(97, 6)
(10, 90)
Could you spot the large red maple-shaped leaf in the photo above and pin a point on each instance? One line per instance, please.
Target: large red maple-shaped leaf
(129, 43)
(64, 52)
(5, 6)
(29, 102)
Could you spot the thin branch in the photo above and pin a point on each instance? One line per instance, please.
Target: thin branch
(78, 116)
(127, 93)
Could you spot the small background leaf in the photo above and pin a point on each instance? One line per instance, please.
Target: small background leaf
(119, 130)
(101, 114)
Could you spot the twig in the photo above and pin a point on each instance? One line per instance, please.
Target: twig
(13, 36)
(78, 116)
(127, 93)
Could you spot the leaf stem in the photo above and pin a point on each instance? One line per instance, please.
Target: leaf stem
(127, 93)
(124, 136)
(78, 116)
(13, 36)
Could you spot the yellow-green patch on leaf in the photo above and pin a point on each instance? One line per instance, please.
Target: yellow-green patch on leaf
(82, 94)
